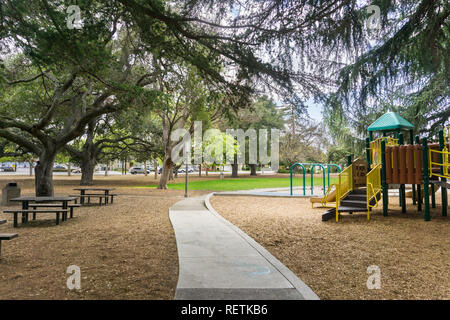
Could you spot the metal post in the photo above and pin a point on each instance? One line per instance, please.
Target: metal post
(419, 188)
(304, 180)
(433, 197)
(290, 169)
(349, 160)
(323, 175)
(186, 180)
(443, 180)
(402, 193)
(384, 186)
(419, 197)
(371, 135)
(426, 180)
(368, 154)
(328, 169)
(413, 186)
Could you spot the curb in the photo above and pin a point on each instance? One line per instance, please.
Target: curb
(298, 284)
(260, 194)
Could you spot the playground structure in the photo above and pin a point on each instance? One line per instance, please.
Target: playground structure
(311, 167)
(391, 164)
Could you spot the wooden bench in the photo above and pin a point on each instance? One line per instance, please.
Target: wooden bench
(6, 236)
(34, 211)
(93, 195)
(70, 206)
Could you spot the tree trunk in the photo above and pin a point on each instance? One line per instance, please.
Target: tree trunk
(31, 167)
(87, 170)
(44, 174)
(155, 165)
(145, 167)
(88, 159)
(166, 171)
(234, 167)
(253, 169)
(206, 170)
(199, 170)
(69, 169)
(106, 169)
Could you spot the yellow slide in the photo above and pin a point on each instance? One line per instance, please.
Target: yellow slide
(409, 193)
(329, 197)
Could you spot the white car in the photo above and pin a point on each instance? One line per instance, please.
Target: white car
(136, 170)
(76, 170)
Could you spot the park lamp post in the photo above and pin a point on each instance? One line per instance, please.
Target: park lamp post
(186, 180)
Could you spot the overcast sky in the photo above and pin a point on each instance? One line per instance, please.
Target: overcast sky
(315, 110)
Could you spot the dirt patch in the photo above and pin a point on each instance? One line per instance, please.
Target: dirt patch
(332, 258)
(125, 251)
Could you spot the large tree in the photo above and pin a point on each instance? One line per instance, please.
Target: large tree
(57, 81)
(401, 66)
(185, 97)
(241, 46)
(261, 114)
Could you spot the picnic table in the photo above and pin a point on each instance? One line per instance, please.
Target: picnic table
(61, 207)
(100, 193)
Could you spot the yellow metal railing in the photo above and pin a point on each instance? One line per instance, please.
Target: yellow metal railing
(444, 156)
(343, 187)
(444, 162)
(375, 148)
(373, 182)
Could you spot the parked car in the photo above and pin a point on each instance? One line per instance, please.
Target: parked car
(183, 170)
(7, 169)
(174, 171)
(136, 170)
(76, 170)
(59, 168)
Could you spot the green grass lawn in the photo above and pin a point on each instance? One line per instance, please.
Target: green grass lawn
(230, 184)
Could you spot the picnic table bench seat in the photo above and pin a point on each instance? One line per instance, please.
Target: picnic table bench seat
(6, 236)
(70, 206)
(25, 213)
(112, 195)
(100, 197)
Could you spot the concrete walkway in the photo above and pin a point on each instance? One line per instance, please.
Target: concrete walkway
(219, 261)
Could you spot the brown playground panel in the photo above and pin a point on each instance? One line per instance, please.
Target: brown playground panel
(359, 171)
(404, 163)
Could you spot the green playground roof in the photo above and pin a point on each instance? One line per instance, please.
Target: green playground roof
(390, 121)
